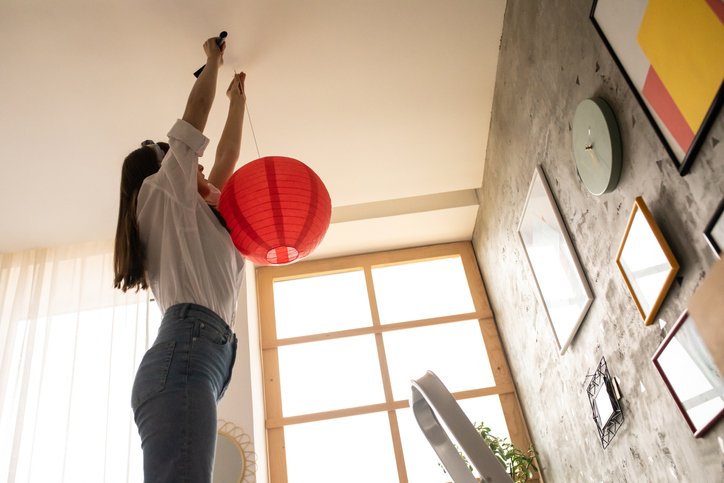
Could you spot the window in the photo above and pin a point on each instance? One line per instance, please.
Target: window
(341, 340)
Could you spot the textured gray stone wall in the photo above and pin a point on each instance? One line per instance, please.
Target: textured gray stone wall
(551, 59)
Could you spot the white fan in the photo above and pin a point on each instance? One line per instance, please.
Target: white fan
(431, 397)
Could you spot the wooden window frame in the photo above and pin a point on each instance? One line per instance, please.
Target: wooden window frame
(275, 421)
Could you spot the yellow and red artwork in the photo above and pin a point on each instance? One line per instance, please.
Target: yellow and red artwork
(684, 42)
(671, 53)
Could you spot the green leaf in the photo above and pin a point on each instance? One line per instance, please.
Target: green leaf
(517, 463)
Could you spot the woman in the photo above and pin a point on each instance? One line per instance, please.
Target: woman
(171, 237)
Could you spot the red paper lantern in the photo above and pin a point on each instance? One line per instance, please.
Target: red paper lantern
(277, 208)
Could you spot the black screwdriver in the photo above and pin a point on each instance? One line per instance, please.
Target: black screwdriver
(219, 41)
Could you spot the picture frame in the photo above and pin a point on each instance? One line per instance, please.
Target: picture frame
(706, 306)
(661, 62)
(604, 397)
(714, 231)
(560, 283)
(646, 262)
(691, 376)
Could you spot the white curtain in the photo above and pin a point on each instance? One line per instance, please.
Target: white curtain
(69, 348)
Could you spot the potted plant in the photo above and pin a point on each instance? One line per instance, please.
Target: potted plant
(519, 465)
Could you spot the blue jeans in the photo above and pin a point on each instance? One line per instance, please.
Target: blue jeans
(180, 381)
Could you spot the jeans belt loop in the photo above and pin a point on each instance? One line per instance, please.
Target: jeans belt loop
(183, 311)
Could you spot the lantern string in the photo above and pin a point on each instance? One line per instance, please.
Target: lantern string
(248, 113)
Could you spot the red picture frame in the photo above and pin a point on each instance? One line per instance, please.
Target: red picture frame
(668, 361)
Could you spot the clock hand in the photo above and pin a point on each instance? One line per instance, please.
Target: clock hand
(589, 148)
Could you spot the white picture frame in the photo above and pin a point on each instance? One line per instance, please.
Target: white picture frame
(561, 285)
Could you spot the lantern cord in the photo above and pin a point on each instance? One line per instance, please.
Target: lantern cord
(248, 113)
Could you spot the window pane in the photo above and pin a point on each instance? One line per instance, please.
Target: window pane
(333, 374)
(487, 410)
(422, 290)
(326, 303)
(420, 459)
(357, 449)
(455, 352)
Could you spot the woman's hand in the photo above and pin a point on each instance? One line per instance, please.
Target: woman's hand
(213, 52)
(235, 92)
(229, 147)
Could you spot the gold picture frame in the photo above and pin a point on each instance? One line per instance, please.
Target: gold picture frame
(646, 262)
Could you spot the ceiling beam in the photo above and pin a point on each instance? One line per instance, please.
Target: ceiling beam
(405, 206)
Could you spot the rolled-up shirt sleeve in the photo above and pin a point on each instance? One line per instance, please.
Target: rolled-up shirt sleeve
(179, 167)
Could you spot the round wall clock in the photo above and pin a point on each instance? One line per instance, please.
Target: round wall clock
(597, 146)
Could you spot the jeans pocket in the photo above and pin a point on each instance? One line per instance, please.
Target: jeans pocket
(151, 376)
(210, 334)
(231, 369)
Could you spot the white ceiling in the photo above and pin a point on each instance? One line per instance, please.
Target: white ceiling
(387, 100)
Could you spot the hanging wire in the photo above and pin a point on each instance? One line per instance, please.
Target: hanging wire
(252, 128)
(248, 113)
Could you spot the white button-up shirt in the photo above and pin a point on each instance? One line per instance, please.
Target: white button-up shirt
(190, 257)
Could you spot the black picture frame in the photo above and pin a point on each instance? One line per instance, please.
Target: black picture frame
(682, 165)
(601, 380)
(716, 222)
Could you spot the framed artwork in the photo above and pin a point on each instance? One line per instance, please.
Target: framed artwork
(605, 399)
(560, 283)
(706, 307)
(689, 372)
(670, 54)
(714, 231)
(646, 262)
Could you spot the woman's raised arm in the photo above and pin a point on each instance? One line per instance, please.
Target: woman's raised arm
(229, 147)
(202, 94)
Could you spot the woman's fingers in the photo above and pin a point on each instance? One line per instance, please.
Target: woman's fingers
(236, 87)
(212, 48)
(208, 49)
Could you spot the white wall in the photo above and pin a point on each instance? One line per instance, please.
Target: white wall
(243, 403)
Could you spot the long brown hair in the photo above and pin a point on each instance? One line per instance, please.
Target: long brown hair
(129, 253)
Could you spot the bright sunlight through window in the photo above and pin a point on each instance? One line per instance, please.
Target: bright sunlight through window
(348, 343)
